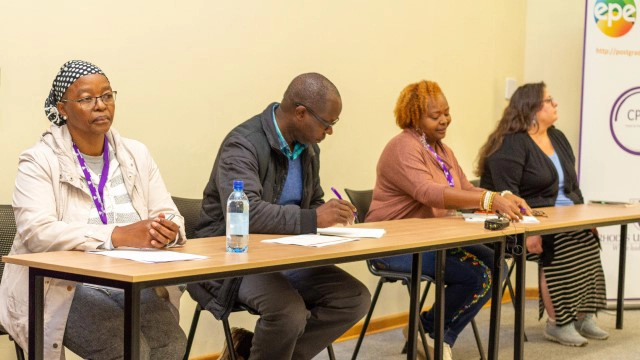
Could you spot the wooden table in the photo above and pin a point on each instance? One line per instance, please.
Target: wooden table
(403, 236)
(564, 219)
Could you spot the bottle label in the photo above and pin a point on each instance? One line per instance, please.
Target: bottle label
(238, 224)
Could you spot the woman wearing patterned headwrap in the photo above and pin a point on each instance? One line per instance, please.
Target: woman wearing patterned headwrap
(84, 187)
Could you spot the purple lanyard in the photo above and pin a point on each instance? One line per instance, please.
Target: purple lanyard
(445, 170)
(98, 196)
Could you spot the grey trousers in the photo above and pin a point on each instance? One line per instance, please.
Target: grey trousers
(302, 311)
(96, 321)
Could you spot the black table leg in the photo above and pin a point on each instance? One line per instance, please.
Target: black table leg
(496, 298)
(621, 275)
(520, 257)
(414, 306)
(36, 315)
(132, 321)
(439, 304)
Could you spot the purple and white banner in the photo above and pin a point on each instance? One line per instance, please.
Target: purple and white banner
(610, 125)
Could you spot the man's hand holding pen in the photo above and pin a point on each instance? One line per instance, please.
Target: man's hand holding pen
(335, 211)
(355, 211)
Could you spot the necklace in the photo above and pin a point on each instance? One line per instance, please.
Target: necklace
(445, 170)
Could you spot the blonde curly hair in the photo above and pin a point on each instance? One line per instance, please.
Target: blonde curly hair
(412, 103)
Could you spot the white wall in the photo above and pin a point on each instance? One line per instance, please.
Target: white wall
(187, 73)
(553, 54)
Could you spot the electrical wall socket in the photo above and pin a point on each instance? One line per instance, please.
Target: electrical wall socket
(510, 86)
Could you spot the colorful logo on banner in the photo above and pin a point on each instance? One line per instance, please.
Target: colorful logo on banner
(615, 18)
(625, 121)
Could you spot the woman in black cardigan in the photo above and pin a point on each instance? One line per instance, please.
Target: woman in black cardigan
(527, 155)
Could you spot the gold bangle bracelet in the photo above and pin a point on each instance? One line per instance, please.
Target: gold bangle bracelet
(493, 194)
(484, 193)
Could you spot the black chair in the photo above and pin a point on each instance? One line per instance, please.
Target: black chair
(7, 234)
(190, 210)
(361, 199)
(227, 330)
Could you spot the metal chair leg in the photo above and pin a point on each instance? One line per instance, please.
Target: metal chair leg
(367, 319)
(332, 355)
(423, 336)
(508, 279)
(478, 340)
(476, 334)
(19, 351)
(512, 292)
(229, 339)
(513, 301)
(192, 331)
(424, 294)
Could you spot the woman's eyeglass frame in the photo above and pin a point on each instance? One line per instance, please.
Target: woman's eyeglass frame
(89, 102)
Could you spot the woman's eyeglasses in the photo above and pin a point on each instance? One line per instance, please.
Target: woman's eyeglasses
(89, 102)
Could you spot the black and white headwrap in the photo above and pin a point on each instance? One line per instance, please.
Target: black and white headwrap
(69, 72)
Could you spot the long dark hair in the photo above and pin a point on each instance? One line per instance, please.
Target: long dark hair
(518, 116)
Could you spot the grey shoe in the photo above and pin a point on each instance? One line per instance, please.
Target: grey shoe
(565, 335)
(588, 328)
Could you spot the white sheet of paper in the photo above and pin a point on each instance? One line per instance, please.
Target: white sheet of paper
(483, 217)
(148, 255)
(311, 240)
(352, 232)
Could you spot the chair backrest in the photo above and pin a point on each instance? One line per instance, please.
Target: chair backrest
(361, 199)
(190, 210)
(7, 232)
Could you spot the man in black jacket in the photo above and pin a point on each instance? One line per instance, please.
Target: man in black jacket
(276, 154)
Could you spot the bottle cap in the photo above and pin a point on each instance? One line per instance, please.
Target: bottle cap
(238, 185)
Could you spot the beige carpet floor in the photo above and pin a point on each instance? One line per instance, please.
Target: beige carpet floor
(622, 344)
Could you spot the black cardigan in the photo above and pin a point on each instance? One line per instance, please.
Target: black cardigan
(521, 167)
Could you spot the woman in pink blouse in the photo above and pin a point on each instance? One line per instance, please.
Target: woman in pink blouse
(418, 176)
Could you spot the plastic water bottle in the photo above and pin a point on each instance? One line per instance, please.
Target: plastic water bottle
(238, 219)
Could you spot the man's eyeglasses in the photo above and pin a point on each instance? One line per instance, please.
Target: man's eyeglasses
(89, 102)
(324, 122)
(548, 100)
